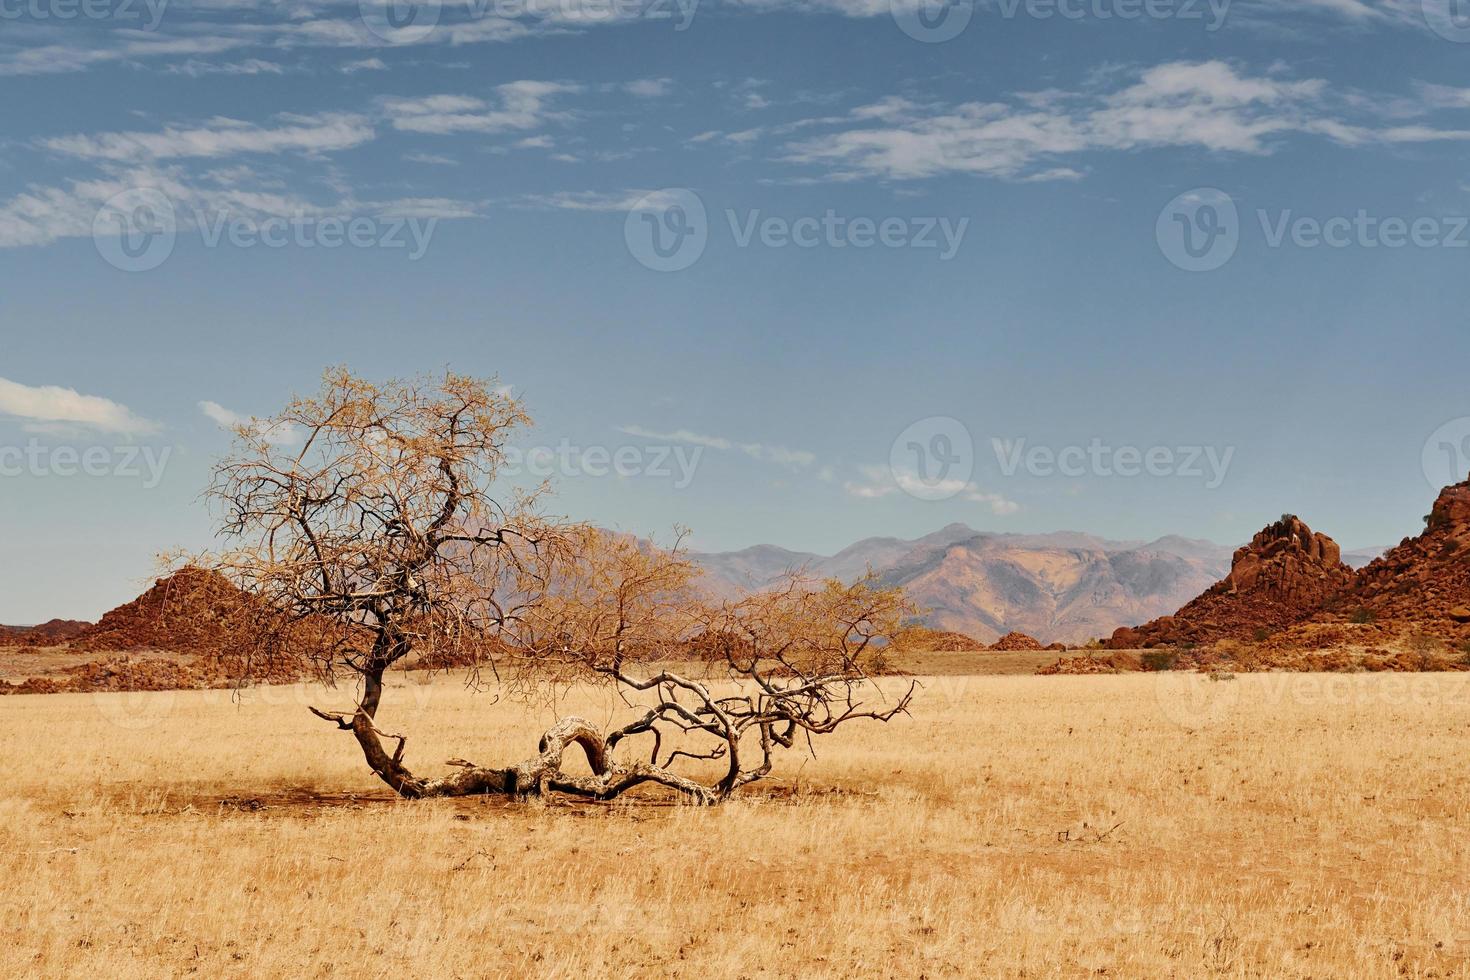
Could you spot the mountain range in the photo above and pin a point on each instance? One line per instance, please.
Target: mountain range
(1065, 586)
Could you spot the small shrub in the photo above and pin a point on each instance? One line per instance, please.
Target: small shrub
(1158, 660)
(1427, 650)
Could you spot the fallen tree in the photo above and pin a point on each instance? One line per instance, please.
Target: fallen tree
(373, 530)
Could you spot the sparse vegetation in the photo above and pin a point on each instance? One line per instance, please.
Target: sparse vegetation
(181, 855)
(1429, 651)
(389, 536)
(1157, 660)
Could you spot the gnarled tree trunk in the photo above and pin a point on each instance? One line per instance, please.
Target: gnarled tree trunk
(532, 777)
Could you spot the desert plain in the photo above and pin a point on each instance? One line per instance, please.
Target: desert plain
(1161, 825)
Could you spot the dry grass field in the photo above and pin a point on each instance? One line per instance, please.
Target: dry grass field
(1137, 826)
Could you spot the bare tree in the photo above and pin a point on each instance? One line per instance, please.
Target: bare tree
(719, 687)
(373, 531)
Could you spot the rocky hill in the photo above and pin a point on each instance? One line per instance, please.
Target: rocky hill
(192, 612)
(47, 634)
(1424, 580)
(1066, 586)
(1287, 573)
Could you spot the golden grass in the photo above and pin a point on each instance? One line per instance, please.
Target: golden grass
(1139, 826)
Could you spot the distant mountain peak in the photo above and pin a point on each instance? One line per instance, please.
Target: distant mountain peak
(1064, 585)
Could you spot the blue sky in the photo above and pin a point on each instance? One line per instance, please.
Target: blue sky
(504, 167)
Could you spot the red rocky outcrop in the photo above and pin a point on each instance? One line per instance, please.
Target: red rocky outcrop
(1287, 573)
(1425, 581)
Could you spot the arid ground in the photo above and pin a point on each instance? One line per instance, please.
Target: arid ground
(1135, 825)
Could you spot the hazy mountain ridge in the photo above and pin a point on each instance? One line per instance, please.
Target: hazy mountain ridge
(1065, 585)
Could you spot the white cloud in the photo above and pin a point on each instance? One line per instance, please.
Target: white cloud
(365, 64)
(278, 434)
(624, 200)
(1206, 105)
(222, 137)
(755, 450)
(880, 481)
(649, 88)
(678, 435)
(997, 503)
(522, 105)
(42, 215)
(194, 68)
(431, 159)
(51, 404)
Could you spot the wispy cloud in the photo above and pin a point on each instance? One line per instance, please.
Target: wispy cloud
(755, 450)
(649, 88)
(881, 481)
(1211, 106)
(279, 433)
(363, 64)
(519, 106)
(624, 200)
(49, 404)
(222, 137)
